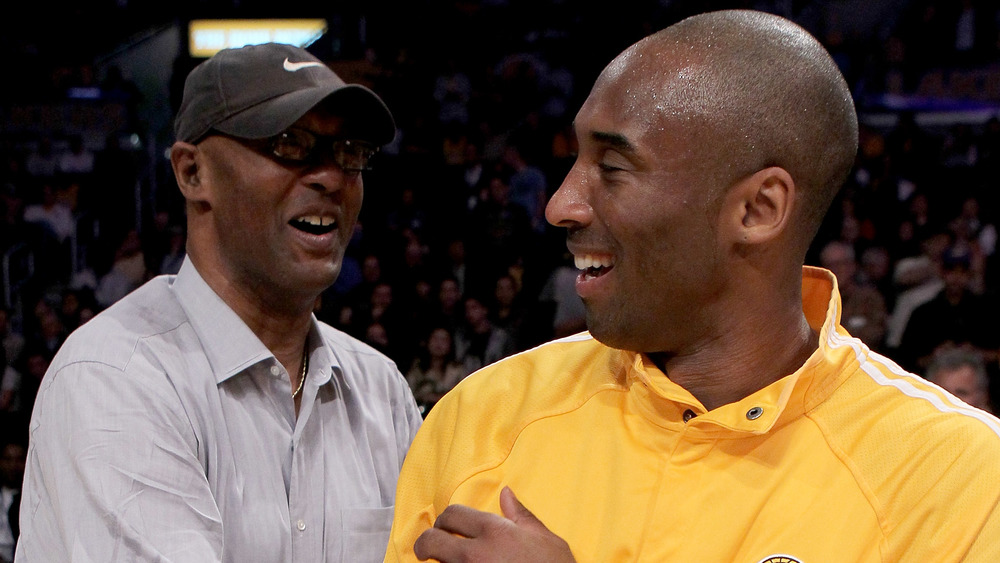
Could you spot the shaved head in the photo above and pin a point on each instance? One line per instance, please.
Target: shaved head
(749, 90)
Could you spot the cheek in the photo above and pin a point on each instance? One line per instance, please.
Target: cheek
(351, 198)
(675, 250)
(354, 195)
(245, 209)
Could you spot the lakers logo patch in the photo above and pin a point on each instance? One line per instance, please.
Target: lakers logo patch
(779, 559)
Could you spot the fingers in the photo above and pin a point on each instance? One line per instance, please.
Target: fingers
(452, 537)
(513, 509)
(438, 544)
(465, 521)
(462, 534)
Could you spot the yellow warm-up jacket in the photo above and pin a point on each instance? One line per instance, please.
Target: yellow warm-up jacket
(849, 459)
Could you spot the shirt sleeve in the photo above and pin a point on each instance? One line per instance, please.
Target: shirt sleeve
(948, 505)
(425, 482)
(113, 472)
(407, 416)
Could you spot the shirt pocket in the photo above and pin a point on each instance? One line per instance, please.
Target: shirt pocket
(365, 533)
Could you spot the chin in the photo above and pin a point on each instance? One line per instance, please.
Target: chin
(618, 333)
(313, 280)
(604, 333)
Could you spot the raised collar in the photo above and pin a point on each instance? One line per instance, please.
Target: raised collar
(664, 401)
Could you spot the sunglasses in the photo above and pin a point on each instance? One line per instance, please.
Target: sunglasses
(303, 147)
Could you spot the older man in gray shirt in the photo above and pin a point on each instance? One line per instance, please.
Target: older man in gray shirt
(209, 416)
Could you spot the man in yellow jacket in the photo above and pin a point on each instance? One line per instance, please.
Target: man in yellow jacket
(716, 410)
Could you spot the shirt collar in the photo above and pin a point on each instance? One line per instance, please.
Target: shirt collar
(229, 344)
(784, 399)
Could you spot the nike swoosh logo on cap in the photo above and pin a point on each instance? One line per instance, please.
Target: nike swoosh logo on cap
(292, 67)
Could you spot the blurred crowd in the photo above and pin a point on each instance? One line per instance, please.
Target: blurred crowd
(453, 265)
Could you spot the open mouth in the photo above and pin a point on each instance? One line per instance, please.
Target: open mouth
(594, 265)
(314, 224)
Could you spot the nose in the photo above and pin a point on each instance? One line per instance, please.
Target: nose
(569, 206)
(328, 177)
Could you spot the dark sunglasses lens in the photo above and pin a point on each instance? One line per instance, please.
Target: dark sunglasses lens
(294, 145)
(352, 156)
(299, 145)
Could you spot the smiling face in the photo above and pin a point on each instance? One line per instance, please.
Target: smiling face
(273, 230)
(709, 153)
(640, 212)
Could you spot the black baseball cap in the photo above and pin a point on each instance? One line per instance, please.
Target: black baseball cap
(258, 91)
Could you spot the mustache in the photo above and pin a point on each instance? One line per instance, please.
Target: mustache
(588, 239)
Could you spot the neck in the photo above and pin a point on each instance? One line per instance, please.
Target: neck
(281, 322)
(717, 380)
(754, 343)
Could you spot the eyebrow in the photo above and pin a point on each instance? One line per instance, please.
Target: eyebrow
(615, 140)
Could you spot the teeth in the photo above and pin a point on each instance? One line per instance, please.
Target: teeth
(317, 221)
(587, 261)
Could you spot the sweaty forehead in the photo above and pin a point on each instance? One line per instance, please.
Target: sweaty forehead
(646, 97)
(657, 82)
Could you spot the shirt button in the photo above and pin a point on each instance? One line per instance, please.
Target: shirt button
(688, 415)
(301, 525)
(754, 413)
(275, 370)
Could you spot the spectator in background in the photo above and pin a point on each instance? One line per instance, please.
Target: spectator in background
(876, 271)
(502, 229)
(128, 271)
(78, 160)
(865, 313)
(412, 268)
(406, 215)
(75, 307)
(917, 280)
(970, 221)
(10, 390)
(51, 332)
(528, 186)
(13, 456)
(477, 342)
(42, 160)
(452, 92)
(52, 214)
(34, 362)
(435, 370)
(568, 313)
(449, 311)
(371, 275)
(455, 265)
(954, 317)
(962, 372)
(508, 310)
(383, 320)
(11, 339)
(965, 229)
(839, 257)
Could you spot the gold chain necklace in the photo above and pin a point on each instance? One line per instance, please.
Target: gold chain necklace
(302, 376)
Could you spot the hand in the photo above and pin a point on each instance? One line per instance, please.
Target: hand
(462, 534)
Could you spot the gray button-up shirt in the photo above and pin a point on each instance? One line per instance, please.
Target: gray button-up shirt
(165, 430)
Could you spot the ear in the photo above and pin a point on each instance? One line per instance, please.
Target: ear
(186, 161)
(760, 206)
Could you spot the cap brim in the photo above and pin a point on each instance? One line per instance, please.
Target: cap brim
(366, 116)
